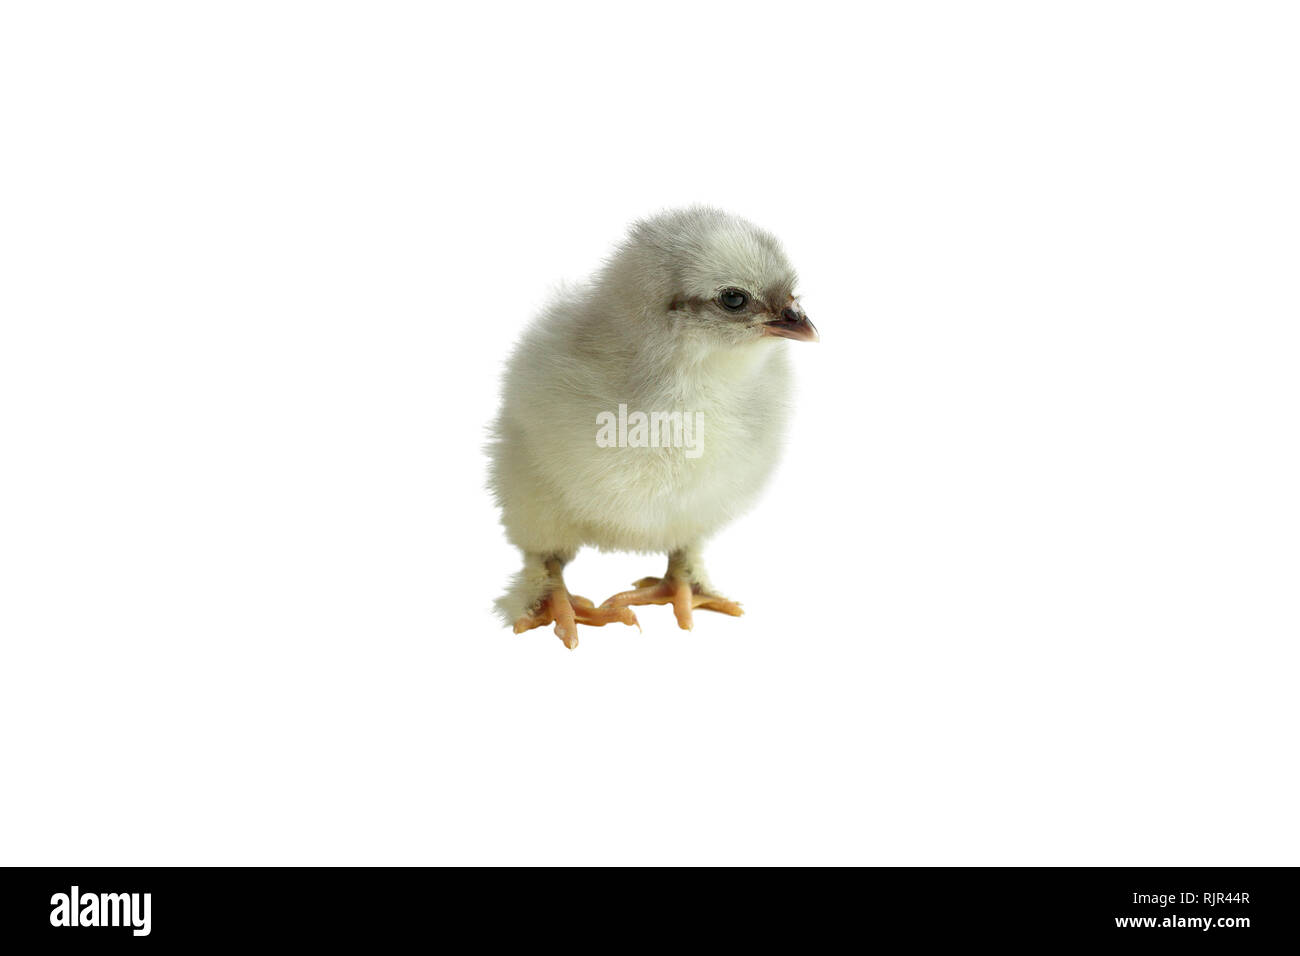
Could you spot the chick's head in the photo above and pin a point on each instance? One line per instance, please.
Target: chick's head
(713, 278)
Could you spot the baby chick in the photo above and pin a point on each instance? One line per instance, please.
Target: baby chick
(688, 316)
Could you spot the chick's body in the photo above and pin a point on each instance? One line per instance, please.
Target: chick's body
(560, 491)
(650, 334)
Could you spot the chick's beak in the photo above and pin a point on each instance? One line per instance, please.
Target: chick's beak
(793, 324)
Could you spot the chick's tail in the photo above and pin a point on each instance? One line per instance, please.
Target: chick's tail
(528, 588)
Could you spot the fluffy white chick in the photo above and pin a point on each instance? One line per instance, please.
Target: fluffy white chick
(690, 314)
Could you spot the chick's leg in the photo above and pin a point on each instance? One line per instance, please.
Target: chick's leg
(683, 585)
(555, 603)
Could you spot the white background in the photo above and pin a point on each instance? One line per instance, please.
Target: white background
(1024, 590)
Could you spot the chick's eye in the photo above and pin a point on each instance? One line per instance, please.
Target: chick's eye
(733, 300)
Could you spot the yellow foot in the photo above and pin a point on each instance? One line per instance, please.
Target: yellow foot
(570, 610)
(683, 596)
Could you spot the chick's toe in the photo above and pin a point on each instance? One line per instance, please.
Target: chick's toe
(681, 594)
(568, 611)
